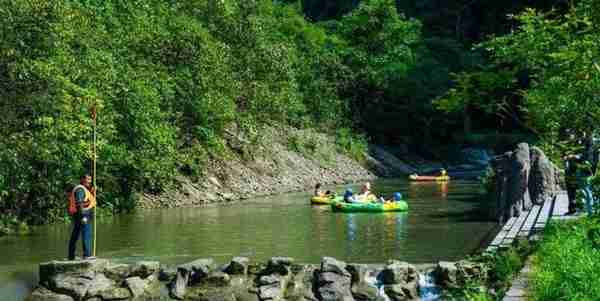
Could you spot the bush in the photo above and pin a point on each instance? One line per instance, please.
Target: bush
(355, 145)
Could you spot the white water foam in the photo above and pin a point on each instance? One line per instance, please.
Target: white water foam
(428, 290)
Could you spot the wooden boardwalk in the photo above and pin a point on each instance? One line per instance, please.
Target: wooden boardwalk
(553, 209)
(525, 225)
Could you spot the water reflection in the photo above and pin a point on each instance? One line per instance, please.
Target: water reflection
(436, 189)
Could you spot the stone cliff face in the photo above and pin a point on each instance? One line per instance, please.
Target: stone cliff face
(524, 177)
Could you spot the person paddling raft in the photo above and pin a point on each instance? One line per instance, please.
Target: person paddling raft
(82, 199)
(319, 193)
(366, 194)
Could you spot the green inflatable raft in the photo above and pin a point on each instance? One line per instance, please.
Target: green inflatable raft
(369, 207)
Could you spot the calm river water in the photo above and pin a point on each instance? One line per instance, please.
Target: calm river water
(444, 223)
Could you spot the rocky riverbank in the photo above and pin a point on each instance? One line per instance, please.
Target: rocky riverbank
(288, 159)
(281, 278)
(285, 160)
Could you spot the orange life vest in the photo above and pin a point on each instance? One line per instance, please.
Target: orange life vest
(88, 203)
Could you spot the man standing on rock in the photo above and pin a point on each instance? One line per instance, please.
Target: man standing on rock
(82, 200)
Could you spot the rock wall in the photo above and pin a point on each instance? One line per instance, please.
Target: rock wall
(239, 280)
(524, 177)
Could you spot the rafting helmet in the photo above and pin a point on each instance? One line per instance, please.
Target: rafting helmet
(348, 192)
(397, 196)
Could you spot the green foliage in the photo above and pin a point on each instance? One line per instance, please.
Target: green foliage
(168, 78)
(11, 225)
(567, 266)
(506, 265)
(544, 75)
(355, 145)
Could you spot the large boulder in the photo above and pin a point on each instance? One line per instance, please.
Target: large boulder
(143, 288)
(401, 281)
(330, 264)
(512, 182)
(75, 286)
(333, 281)
(456, 274)
(399, 272)
(115, 293)
(47, 270)
(99, 284)
(44, 294)
(542, 178)
(270, 292)
(167, 274)
(358, 272)
(446, 274)
(237, 266)
(300, 287)
(335, 291)
(519, 180)
(523, 177)
(217, 279)
(198, 269)
(279, 265)
(144, 269)
(401, 292)
(363, 291)
(201, 294)
(271, 286)
(117, 271)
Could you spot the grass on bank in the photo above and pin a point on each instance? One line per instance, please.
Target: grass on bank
(567, 264)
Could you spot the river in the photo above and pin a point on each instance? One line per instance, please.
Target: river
(444, 222)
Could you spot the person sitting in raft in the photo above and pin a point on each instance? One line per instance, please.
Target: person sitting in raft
(443, 172)
(397, 197)
(365, 193)
(320, 193)
(349, 197)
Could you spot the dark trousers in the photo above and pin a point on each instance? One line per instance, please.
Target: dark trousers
(84, 230)
(571, 194)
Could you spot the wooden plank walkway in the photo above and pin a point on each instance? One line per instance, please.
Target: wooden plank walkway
(552, 209)
(523, 226)
(544, 216)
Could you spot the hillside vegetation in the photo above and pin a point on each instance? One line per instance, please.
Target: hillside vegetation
(168, 78)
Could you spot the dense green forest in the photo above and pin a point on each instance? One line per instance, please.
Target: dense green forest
(169, 77)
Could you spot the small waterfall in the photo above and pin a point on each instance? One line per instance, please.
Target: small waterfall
(428, 290)
(372, 280)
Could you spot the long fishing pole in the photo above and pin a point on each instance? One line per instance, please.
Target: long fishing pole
(94, 177)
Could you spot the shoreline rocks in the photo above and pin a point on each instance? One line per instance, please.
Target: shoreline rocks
(239, 280)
